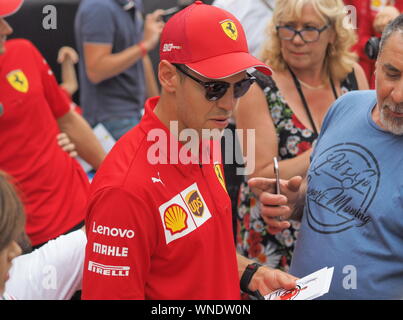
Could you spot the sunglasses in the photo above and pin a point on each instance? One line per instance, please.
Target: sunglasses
(216, 89)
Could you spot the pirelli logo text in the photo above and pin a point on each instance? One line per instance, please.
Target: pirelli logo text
(113, 271)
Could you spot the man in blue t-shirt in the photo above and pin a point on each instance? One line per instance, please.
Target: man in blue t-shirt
(116, 74)
(352, 201)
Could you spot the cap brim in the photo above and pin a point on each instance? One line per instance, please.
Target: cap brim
(9, 7)
(229, 64)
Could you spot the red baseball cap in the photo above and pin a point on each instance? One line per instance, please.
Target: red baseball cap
(209, 40)
(9, 7)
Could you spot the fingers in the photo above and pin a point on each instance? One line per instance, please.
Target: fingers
(285, 280)
(267, 280)
(259, 185)
(294, 183)
(67, 53)
(271, 199)
(66, 145)
(268, 185)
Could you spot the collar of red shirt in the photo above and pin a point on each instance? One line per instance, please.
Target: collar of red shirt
(209, 150)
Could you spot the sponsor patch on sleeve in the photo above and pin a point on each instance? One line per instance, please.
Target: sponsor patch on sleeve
(184, 213)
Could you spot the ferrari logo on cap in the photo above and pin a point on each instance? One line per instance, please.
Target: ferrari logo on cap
(230, 29)
(18, 81)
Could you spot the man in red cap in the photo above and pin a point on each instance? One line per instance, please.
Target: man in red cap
(159, 217)
(32, 113)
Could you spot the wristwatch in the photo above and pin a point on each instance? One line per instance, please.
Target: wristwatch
(247, 277)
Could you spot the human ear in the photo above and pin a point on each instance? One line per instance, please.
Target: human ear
(167, 76)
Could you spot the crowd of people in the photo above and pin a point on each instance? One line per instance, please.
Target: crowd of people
(156, 222)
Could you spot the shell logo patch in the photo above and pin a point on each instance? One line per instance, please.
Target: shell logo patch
(230, 29)
(378, 4)
(18, 81)
(175, 219)
(220, 176)
(195, 203)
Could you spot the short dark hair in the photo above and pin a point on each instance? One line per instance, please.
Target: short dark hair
(12, 216)
(395, 25)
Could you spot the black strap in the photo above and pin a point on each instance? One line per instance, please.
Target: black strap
(352, 80)
(333, 87)
(267, 4)
(304, 102)
(247, 275)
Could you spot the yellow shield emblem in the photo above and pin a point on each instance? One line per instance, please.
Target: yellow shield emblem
(18, 81)
(220, 176)
(230, 29)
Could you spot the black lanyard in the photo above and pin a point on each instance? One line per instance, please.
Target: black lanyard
(301, 94)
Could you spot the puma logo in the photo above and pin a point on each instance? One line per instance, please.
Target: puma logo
(157, 180)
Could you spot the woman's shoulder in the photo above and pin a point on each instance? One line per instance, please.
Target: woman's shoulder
(355, 80)
(264, 81)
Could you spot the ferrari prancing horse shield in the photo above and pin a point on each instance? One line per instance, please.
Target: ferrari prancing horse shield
(230, 29)
(18, 81)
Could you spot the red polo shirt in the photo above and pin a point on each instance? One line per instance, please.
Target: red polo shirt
(53, 186)
(158, 231)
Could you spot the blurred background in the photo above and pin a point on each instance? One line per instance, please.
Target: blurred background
(28, 24)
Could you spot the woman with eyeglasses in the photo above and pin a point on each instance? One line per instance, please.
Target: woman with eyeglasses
(309, 48)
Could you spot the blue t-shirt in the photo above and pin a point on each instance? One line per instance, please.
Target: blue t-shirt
(106, 22)
(353, 217)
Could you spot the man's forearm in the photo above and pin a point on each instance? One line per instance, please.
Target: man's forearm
(112, 64)
(80, 133)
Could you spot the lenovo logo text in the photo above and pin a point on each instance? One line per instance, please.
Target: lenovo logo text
(112, 232)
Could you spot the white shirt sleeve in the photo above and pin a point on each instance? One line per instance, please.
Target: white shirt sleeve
(52, 272)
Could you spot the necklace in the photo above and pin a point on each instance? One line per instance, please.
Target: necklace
(321, 86)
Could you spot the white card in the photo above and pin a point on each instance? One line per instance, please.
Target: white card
(310, 287)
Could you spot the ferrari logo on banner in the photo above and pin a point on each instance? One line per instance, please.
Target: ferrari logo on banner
(18, 81)
(219, 174)
(230, 29)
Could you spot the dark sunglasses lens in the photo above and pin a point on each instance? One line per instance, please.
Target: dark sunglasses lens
(215, 91)
(241, 87)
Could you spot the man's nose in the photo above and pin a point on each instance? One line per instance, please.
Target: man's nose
(5, 28)
(228, 101)
(397, 93)
(297, 40)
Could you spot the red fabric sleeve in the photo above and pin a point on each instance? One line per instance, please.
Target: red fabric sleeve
(59, 104)
(122, 236)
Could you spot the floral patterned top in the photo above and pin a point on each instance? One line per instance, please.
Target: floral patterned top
(253, 239)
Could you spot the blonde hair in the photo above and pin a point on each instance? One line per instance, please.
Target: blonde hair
(339, 58)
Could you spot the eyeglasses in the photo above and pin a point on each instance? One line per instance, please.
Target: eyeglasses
(309, 34)
(216, 89)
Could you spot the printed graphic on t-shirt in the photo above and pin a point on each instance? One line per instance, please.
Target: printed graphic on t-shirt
(343, 181)
(18, 80)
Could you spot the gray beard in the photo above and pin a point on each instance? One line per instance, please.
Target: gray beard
(390, 123)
